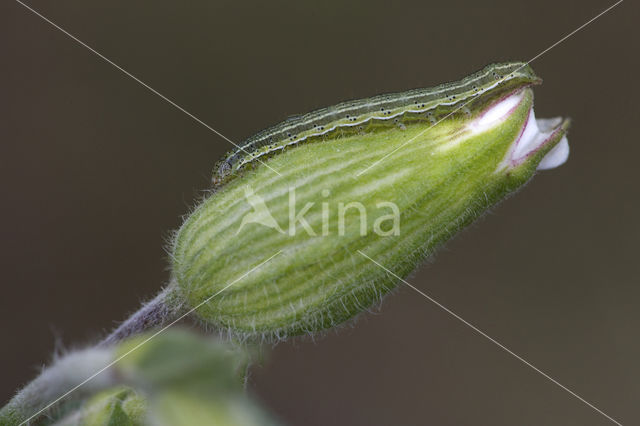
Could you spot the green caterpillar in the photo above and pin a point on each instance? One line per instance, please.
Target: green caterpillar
(376, 113)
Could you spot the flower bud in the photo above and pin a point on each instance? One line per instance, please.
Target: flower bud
(393, 176)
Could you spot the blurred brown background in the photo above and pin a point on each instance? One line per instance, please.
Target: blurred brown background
(96, 170)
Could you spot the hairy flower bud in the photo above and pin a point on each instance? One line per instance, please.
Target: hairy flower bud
(392, 176)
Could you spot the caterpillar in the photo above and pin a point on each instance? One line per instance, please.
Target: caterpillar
(375, 113)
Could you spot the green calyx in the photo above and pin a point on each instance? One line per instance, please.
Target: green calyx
(394, 194)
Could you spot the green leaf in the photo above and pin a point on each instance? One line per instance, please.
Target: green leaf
(173, 378)
(120, 406)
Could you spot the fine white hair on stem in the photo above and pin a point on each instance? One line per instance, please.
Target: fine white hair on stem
(65, 373)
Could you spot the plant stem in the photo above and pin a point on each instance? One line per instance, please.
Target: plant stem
(62, 377)
(69, 371)
(153, 314)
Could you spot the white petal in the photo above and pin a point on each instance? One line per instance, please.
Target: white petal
(497, 113)
(557, 156)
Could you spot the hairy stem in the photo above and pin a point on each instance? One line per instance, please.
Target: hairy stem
(64, 376)
(70, 371)
(153, 314)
